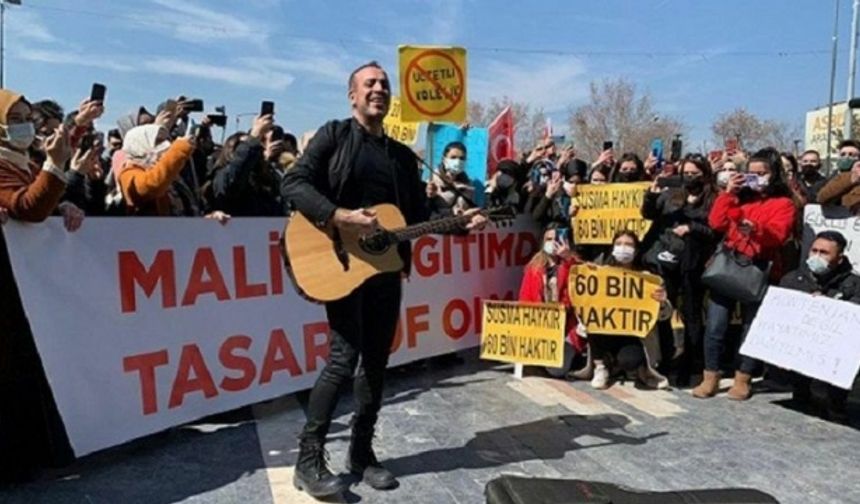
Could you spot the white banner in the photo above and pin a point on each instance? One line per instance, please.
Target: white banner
(817, 218)
(813, 335)
(147, 323)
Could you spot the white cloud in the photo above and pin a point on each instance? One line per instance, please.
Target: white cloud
(25, 24)
(191, 22)
(70, 58)
(446, 19)
(549, 82)
(250, 76)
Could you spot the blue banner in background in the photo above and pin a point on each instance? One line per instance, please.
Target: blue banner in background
(476, 141)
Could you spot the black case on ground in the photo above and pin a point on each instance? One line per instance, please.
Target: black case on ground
(517, 490)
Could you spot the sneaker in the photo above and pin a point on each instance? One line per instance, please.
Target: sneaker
(667, 257)
(600, 380)
(650, 379)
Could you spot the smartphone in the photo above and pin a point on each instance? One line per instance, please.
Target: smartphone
(561, 235)
(267, 108)
(607, 145)
(751, 180)
(657, 148)
(673, 181)
(731, 145)
(218, 119)
(98, 92)
(677, 146)
(195, 105)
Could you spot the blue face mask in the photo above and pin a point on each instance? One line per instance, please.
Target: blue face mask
(817, 264)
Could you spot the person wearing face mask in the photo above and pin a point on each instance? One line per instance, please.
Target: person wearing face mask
(629, 169)
(451, 179)
(152, 164)
(677, 246)
(756, 220)
(811, 179)
(610, 356)
(502, 187)
(843, 189)
(556, 201)
(29, 192)
(826, 272)
(545, 281)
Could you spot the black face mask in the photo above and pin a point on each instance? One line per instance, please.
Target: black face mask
(627, 177)
(810, 170)
(694, 185)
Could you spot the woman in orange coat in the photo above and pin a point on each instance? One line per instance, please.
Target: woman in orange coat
(151, 165)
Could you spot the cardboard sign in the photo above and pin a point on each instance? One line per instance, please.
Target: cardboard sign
(395, 127)
(614, 301)
(523, 333)
(813, 335)
(433, 83)
(605, 209)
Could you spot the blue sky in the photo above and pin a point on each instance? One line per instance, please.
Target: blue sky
(696, 58)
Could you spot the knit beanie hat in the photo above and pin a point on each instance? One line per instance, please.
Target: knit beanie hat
(7, 100)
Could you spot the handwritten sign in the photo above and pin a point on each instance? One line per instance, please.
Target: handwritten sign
(614, 301)
(605, 209)
(813, 335)
(433, 83)
(395, 127)
(523, 333)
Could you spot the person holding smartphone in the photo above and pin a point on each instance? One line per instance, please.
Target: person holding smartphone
(677, 246)
(756, 219)
(545, 281)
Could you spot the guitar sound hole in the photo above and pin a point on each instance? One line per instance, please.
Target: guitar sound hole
(376, 244)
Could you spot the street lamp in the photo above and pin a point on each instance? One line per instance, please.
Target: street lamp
(3, 38)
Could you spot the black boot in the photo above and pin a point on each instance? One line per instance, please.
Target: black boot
(312, 474)
(362, 461)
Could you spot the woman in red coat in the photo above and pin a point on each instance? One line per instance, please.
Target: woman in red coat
(756, 215)
(545, 281)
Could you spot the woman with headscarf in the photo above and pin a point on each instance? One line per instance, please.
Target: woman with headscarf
(31, 432)
(152, 164)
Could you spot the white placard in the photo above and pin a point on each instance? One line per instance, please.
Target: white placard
(147, 323)
(814, 335)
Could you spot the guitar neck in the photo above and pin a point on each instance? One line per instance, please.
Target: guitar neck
(430, 227)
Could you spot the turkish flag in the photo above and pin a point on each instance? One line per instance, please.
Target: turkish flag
(501, 133)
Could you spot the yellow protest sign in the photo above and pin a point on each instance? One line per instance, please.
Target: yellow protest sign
(398, 129)
(523, 333)
(614, 301)
(605, 209)
(433, 83)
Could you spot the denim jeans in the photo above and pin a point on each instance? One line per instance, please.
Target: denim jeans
(362, 326)
(719, 313)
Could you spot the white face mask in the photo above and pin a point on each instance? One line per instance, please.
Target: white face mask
(20, 135)
(568, 188)
(455, 166)
(624, 254)
(818, 264)
(763, 182)
(549, 247)
(723, 178)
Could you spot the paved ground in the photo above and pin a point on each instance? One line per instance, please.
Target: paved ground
(447, 431)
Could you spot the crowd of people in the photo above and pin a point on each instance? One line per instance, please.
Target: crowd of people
(167, 163)
(747, 204)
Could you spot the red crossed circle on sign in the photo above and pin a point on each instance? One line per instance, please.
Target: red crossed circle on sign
(414, 66)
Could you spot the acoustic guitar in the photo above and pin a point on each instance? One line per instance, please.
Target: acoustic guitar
(327, 265)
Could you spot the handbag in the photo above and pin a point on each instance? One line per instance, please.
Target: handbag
(736, 276)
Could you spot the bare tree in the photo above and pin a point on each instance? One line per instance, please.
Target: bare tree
(528, 124)
(614, 112)
(753, 132)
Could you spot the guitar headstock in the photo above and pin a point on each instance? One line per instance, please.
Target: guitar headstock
(501, 215)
